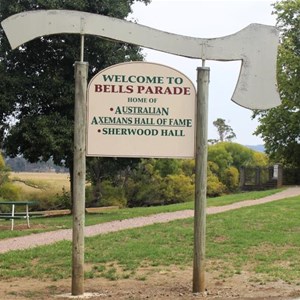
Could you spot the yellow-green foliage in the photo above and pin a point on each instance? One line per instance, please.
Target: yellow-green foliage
(10, 192)
(188, 167)
(3, 171)
(178, 188)
(224, 161)
(232, 154)
(260, 159)
(2, 162)
(231, 179)
(214, 186)
(165, 181)
(148, 187)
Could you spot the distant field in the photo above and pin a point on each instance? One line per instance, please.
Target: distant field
(31, 182)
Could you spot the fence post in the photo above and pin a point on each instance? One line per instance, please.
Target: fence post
(280, 176)
(242, 177)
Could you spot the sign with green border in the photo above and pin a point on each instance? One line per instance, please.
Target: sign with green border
(141, 109)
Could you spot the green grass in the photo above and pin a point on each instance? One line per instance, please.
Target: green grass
(64, 222)
(264, 239)
(261, 239)
(232, 198)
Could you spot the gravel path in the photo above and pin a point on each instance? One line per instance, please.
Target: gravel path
(45, 238)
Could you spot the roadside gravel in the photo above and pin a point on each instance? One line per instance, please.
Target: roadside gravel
(34, 240)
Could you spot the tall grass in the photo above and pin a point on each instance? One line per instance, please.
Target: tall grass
(37, 183)
(44, 188)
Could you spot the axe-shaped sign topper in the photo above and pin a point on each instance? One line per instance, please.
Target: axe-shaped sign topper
(256, 46)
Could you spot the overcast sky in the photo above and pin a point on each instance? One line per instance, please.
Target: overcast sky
(209, 19)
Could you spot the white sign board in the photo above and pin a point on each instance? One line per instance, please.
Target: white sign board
(141, 109)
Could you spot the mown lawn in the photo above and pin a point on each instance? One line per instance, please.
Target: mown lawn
(64, 222)
(263, 239)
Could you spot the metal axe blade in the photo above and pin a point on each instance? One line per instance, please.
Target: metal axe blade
(256, 46)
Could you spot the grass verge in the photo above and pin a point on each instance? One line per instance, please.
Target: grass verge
(64, 222)
(262, 239)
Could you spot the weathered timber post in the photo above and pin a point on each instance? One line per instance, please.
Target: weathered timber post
(280, 176)
(201, 175)
(242, 177)
(81, 71)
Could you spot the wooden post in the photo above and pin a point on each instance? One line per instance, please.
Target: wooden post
(201, 180)
(242, 177)
(280, 176)
(81, 71)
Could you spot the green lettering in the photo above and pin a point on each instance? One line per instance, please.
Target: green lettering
(108, 77)
(94, 121)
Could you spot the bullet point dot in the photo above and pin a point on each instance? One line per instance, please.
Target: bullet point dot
(111, 109)
(99, 130)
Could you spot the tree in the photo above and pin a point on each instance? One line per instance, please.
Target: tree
(40, 77)
(220, 156)
(7, 189)
(225, 131)
(224, 162)
(280, 127)
(166, 166)
(229, 154)
(6, 107)
(244, 156)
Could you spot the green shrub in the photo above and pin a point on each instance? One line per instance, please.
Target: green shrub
(159, 190)
(112, 195)
(214, 186)
(166, 166)
(8, 191)
(44, 201)
(178, 188)
(63, 200)
(188, 167)
(2, 162)
(145, 192)
(231, 179)
(89, 197)
(4, 171)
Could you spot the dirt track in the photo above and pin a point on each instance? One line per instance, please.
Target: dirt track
(34, 240)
